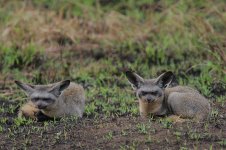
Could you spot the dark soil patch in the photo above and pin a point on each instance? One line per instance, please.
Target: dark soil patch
(115, 133)
(218, 88)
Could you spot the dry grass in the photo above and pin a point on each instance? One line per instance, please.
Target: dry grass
(49, 28)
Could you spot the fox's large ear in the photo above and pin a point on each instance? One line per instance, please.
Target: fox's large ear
(134, 79)
(27, 88)
(59, 87)
(165, 79)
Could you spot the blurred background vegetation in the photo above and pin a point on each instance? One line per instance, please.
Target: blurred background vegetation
(93, 41)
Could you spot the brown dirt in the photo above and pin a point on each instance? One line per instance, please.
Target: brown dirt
(107, 133)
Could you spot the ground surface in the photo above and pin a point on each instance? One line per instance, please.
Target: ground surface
(92, 43)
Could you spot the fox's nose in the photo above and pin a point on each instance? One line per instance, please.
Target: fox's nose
(41, 106)
(150, 99)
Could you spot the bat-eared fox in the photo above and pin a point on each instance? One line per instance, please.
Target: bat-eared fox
(53, 100)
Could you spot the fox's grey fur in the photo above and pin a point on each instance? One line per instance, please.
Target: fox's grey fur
(156, 96)
(53, 100)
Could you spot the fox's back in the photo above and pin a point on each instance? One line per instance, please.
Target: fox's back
(185, 92)
(74, 92)
(187, 101)
(71, 101)
(180, 89)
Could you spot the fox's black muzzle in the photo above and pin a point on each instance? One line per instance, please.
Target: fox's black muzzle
(149, 100)
(41, 106)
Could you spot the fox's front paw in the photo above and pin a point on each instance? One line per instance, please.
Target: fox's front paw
(26, 114)
(144, 115)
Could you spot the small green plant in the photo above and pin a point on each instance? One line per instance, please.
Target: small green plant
(194, 136)
(142, 128)
(1, 128)
(109, 135)
(183, 148)
(2, 109)
(214, 113)
(57, 136)
(222, 142)
(124, 133)
(178, 135)
(221, 100)
(149, 140)
(166, 123)
(3, 120)
(19, 121)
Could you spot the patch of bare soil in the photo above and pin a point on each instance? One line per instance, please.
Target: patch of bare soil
(115, 133)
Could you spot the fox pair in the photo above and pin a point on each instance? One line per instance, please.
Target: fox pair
(156, 96)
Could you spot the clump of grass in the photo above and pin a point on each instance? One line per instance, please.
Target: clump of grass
(54, 29)
(14, 57)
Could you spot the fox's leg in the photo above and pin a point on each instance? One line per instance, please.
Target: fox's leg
(143, 107)
(28, 110)
(185, 105)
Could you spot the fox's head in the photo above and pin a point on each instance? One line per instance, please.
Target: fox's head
(44, 96)
(150, 90)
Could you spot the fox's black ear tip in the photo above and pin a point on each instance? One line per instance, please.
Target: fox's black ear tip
(170, 73)
(67, 81)
(128, 71)
(16, 81)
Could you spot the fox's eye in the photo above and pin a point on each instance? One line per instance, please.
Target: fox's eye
(46, 99)
(35, 99)
(150, 92)
(154, 93)
(144, 93)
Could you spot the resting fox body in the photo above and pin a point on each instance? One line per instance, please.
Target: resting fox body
(54, 100)
(157, 97)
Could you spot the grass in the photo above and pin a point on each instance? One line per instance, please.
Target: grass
(91, 43)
